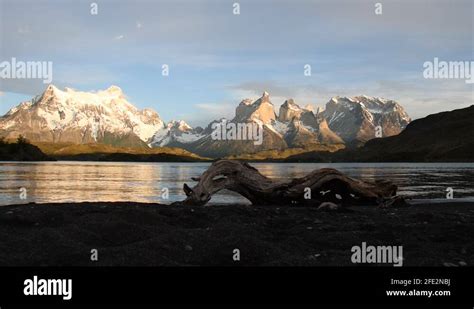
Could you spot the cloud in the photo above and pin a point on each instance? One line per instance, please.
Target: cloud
(418, 96)
(209, 27)
(421, 97)
(352, 51)
(203, 113)
(256, 87)
(304, 93)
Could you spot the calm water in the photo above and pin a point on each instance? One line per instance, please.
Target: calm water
(144, 182)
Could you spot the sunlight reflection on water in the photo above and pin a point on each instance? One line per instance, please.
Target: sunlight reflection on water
(144, 182)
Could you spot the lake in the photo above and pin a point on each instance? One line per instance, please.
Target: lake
(65, 181)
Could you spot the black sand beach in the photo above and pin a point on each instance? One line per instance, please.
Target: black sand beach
(134, 234)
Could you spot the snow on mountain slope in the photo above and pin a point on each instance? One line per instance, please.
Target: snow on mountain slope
(176, 132)
(344, 120)
(80, 117)
(356, 118)
(107, 117)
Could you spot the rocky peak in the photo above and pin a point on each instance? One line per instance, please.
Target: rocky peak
(289, 110)
(260, 110)
(180, 125)
(51, 91)
(265, 98)
(82, 117)
(51, 88)
(309, 107)
(290, 103)
(246, 101)
(355, 118)
(176, 133)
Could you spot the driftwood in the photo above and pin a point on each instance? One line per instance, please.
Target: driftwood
(319, 186)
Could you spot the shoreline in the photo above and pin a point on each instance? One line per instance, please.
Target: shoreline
(142, 234)
(210, 160)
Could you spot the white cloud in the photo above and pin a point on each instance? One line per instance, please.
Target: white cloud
(353, 47)
(203, 113)
(418, 96)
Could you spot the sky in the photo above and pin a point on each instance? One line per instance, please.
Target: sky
(217, 58)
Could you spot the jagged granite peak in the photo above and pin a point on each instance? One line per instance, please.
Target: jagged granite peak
(289, 109)
(307, 130)
(302, 121)
(356, 118)
(262, 110)
(106, 116)
(79, 117)
(309, 107)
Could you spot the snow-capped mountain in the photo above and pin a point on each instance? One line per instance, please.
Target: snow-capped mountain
(260, 112)
(176, 133)
(344, 121)
(356, 118)
(300, 126)
(81, 117)
(107, 117)
(294, 127)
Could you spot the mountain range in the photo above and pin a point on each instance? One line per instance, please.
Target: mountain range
(106, 117)
(81, 117)
(442, 137)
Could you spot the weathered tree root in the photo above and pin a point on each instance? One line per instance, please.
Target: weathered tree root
(323, 185)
